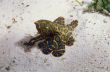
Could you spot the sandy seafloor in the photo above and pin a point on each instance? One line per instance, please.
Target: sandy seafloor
(90, 52)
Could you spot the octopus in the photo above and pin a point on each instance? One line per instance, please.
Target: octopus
(55, 35)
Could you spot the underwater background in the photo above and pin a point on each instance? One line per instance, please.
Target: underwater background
(91, 49)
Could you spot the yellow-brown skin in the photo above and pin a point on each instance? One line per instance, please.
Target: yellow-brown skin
(57, 26)
(59, 34)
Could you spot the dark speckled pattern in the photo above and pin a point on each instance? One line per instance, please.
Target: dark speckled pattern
(55, 36)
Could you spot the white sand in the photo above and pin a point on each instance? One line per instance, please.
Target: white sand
(90, 52)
